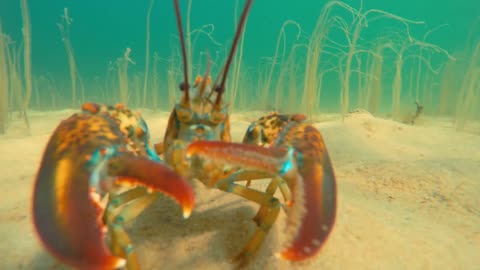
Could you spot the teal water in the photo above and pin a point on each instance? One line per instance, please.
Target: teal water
(405, 193)
(102, 30)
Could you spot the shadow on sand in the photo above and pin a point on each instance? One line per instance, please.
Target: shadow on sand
(217, 231)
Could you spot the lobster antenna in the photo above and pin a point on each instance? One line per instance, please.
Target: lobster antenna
(215, 83)
(183, 86)
(221, 88)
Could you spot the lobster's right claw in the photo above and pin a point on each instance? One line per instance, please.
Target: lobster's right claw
(68, 215)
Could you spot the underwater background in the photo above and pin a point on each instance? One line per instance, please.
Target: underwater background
(393, 87)
(307, 56)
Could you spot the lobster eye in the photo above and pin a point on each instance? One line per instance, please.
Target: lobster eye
(218, 88)
(139, 132)
(91, 107)
(252, 136)
(183, 114)
(217, 117)
(182, 86)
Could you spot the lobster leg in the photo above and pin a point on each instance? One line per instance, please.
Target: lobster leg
(159, 148)
(133, 202)
(275, 183)
(269, 205)
(120, 243)
(117, 200)
(271, 189)
(271, 208)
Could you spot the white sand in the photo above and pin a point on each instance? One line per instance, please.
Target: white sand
(408, 198)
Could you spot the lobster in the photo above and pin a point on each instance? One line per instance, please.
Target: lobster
(92, 157)
(80, 201)
(197, 144)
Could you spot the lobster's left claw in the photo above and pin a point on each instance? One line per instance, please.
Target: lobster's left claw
(301, 159)
(319, 192)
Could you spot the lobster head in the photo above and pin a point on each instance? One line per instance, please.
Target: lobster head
(201, 113)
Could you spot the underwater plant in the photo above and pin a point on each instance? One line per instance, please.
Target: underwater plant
(16, 97)
(64, 28)
(122, 71)
(361, 20)
(419, 62)
(448, 88)
(234, 81)
(400, 48)
(147, 53)
(3, 83)
(312, 59)
(155, 82)
(12, 97)
(27, 62)
(43, 83)
(470, 90)
(319, 55)
(172, 79)
(281, 37)
(287, 68)
(292, 76)
(373, 85)
(332, 67)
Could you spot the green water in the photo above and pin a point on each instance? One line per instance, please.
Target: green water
(408, 197)
(100, 32)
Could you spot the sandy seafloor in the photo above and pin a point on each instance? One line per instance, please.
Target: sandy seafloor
(408, 198)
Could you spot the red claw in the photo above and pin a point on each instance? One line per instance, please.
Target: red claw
(247, 155)
(66, 217)
(153, 175)
(312, 163)
(319, 189)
